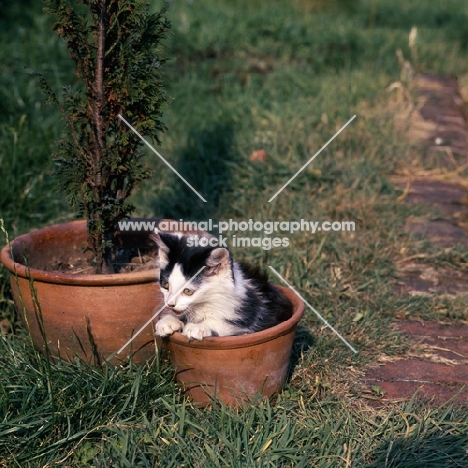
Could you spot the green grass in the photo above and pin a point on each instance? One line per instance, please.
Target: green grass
(243, 75)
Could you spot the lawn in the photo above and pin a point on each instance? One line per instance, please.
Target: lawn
(277, 75)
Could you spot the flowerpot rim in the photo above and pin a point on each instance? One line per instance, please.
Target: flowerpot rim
(56, 277)
(251, 339)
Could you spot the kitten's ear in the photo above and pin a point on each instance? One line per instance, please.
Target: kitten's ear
(218, 260)
(163, 248)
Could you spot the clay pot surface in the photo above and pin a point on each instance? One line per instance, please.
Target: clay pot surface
(88, 315)
(235, 369)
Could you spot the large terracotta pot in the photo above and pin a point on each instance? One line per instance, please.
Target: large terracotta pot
(235, 369)
(91, 316)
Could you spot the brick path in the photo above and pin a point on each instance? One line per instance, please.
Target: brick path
(437, 368)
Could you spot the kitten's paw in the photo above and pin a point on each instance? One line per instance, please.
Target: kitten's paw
(195, 331)
(168, 325)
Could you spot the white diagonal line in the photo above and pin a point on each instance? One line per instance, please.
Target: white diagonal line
(312, 158)
(158, 312)
(313, 310)
(156, 152)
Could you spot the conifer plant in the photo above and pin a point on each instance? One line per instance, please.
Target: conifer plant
(116, 46)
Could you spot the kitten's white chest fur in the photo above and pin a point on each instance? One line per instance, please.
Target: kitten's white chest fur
(219, 300)
(208, 309)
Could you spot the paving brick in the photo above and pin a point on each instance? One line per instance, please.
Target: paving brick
(454, 349)
(441, 232)
(438, 119)
(420, 370)
(418, 278)
(431, 328)
(448, 198)
(404, 391)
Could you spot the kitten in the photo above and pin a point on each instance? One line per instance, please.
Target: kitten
(225, 298)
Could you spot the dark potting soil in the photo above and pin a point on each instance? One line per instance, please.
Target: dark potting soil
(80, 263)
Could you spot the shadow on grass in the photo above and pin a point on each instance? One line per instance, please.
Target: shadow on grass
(436, 450)
(303, 341)
(206, 162)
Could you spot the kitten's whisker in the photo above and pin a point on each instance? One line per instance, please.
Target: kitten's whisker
(158, 312)
(313, 310)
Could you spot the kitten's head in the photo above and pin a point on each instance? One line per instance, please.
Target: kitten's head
(180, 260)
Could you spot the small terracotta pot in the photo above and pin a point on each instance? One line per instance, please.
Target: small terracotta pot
(89, 315)
(235, 369)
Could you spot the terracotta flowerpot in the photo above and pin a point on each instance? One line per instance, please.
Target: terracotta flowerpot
(234, 369)
(84, 314)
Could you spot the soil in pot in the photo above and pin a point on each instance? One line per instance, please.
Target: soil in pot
(134, 252)
(235, 369)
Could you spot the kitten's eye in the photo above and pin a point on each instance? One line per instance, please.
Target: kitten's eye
(188, 291)
(164, 284)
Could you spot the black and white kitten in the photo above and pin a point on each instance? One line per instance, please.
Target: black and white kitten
(225, 298)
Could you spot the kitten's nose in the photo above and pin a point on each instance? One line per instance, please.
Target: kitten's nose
(170, 304)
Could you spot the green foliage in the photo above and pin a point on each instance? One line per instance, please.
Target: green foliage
(76, 415)
(116, 47)
(67, 402)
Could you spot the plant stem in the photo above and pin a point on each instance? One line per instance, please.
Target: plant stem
(103, 259)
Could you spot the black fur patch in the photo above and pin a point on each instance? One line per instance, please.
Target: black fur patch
(191, 258)
(264, 305)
